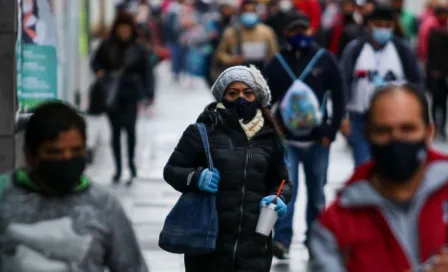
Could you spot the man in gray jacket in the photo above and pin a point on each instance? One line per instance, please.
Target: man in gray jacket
(52, 218)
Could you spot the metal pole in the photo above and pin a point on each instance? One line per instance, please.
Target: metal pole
(8, 100)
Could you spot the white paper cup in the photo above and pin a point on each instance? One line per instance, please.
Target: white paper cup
(267, 219)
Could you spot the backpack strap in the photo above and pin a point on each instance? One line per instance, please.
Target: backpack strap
(205, 143)
(307, 69)
(312, 63)
(285, 66)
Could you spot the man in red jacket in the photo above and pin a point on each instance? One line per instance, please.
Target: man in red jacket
(392, 215)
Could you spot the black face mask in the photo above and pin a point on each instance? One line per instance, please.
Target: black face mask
(348, 18)
(398, 161)
(62, 176)
(246, 110)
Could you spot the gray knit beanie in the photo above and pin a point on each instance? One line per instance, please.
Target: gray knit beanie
(248, 75)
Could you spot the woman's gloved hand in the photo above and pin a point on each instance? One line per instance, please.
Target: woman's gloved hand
(209, 180)
(281, 207)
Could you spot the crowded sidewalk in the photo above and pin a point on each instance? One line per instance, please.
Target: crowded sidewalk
(150, 199)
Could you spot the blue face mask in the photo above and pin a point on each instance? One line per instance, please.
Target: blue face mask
(382, 35)
(249, 19)
(300, 41)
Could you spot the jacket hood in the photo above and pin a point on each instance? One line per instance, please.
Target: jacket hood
(359, 192)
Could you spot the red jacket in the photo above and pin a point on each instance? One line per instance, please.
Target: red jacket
(362, 231)
(313, 9)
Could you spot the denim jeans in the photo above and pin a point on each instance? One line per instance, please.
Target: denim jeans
(357, 139)
(315, 163)
(178, 58)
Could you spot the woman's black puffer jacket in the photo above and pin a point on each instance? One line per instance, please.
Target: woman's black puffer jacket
(250, 170)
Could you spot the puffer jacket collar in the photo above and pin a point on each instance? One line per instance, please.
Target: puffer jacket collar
(227, 119)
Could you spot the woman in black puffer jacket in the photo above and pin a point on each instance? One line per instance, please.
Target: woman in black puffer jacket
(247, 151)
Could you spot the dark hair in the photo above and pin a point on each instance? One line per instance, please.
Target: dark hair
(268, 117)
(382, 12)
(247, 2)
(124, 18)
(408, 88)
(48, 120)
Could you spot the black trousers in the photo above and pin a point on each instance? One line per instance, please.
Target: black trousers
(124, 117)
(439, 92)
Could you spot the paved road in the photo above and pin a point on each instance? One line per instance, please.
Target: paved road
(150, 199)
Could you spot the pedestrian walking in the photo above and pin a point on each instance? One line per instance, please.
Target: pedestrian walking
(433, 40)
(369, 62)
(121, 66)
(249, 168)
(392, 213)
(302, 77)
(53, 217)
(249, 42)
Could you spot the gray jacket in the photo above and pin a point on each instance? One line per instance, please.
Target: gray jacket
(84, 232)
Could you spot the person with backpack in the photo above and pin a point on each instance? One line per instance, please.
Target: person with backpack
(369, 62)
(303, 77)
(248, 170)
(53, 218)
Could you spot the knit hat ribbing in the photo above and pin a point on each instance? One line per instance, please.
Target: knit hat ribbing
(248, 75)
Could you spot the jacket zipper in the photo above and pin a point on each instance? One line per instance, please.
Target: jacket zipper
(243, 191)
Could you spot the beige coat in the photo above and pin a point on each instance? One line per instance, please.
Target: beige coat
(261, 39)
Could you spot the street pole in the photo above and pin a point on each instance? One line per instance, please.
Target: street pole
(8, 98)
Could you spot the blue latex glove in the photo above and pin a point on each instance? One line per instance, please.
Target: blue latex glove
(209, 180)
(281, 207)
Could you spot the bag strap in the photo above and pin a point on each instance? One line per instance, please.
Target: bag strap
(312, 63)
(285, 66)
(204, 138)
(307, 69)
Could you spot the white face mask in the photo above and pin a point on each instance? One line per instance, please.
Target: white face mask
(285, 5)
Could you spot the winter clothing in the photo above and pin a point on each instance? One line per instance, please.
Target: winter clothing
(85, 231)
(409, 63)
(423, 36)
(134, 86)
(249, 170)
(345, 31)
(280, 207)
(258, 45)
(209, 180)
(364, 231)
(325, 76)
(249, 75)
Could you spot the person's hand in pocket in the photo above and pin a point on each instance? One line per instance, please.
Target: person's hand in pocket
(280, 207)
(209, 181)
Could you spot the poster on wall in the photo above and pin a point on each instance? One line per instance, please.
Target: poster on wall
(38, 60)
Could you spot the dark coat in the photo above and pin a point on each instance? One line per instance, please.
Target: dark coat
(135, 83)
(250, 170)
(326, 76)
